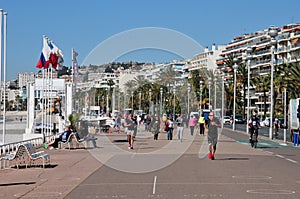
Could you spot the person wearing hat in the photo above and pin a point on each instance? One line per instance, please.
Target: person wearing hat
(253, 125)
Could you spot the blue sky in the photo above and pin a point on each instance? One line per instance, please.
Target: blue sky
(85, 24)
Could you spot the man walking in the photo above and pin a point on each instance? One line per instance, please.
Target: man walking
(179, 122)
(212, 125)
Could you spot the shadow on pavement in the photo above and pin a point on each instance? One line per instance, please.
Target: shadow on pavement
(16, 183)
(232, 158)
(50, 166)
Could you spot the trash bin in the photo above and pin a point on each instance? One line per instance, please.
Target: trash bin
(296, 141)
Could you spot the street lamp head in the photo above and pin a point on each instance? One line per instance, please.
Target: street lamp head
(249, 50)
(235, 60)
(209, 80)
(273, 41)
(273, 32)
(235, 67)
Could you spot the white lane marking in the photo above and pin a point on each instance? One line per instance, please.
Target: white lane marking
(293, 161)
(270, 191)
(252, 177)
(269, 152)
(280, 156)
(154, 185)
(290, 160)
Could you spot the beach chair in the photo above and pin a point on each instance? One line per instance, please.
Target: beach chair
(34, 157)
(18, 157)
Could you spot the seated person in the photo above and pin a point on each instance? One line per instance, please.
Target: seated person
(83, 133)
(91, 137)
(62, 138)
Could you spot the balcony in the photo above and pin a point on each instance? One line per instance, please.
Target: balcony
(261, 72)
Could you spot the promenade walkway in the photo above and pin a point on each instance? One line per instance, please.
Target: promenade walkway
(69, 168)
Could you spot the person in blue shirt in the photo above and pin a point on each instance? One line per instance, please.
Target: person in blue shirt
(62, 138)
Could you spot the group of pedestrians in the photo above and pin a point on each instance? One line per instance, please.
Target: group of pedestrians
(154, 125)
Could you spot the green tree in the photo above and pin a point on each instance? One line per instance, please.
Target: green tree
(262, 84)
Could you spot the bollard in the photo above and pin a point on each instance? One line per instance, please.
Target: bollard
(296, 141)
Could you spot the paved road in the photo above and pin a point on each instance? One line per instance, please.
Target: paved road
(263, 131)
(239, 171)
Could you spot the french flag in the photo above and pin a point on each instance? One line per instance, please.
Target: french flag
(51, 55)
(44, 58)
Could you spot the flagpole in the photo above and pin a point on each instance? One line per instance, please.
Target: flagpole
(4, 75)
(73, 79)
(50, 96)
(43, 104)
(43, 99)
(1, 14)
(47, 100)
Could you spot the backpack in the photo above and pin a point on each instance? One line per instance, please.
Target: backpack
(166, 126)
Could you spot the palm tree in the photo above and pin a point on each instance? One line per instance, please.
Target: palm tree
(130, 86)
(167, 76)
(242, 79)
(286, 77)
(242, 82)
(140, 80)
(292, 74)
(262, 84)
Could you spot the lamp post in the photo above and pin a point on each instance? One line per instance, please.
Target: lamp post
(161, 92)
(174, 91)
(124, 100)
(273, 33)
(98, 105)
(132, 101)
(107, 105)
(215, 89)
(285, 120)
(209, 85)
(235, 66)
(222, 109)
(249, 51)
(188, 102)
(201, 83)
(140, 99)
(119, 99)
(150, 92)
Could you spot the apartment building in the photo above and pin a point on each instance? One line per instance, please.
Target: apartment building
(207, 59)
(24, 78)
(287, 50)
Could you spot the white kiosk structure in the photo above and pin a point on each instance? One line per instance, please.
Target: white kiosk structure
(45, 92)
